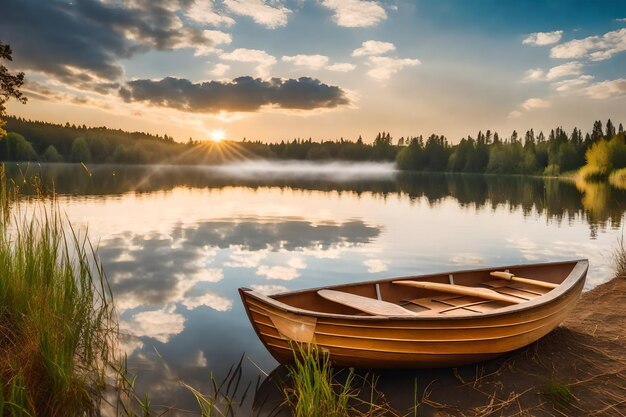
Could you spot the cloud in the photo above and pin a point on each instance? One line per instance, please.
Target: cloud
(245, 259)
(341, 67)
(81, 43)
(382, 67)
(570, 68)
(263, 60)
(607, 89)
(356, 13)
(559, 71)
(219, 69)
(202, 11)
(467, 259)
(214, 301)
(159, 324)
(595, 48)
(373, 48)
(566, 86)
(534, 74)
(283, 273)
(268, 289)
(243, 94)
(375, 265)
(260, 11)
(307, 61)
(543, 38)
(535, 103)
(515, 114)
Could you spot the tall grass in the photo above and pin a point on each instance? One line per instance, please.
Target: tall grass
(619, 258)
(56, 317)
(314, 392)
(317, 390)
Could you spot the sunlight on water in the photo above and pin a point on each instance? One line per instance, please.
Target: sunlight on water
(177, 243)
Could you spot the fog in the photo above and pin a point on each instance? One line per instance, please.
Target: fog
(333, 170)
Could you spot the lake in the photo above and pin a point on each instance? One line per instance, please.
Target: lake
(177, 243)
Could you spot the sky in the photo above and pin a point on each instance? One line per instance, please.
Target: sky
(327, 69)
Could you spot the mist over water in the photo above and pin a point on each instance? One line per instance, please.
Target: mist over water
(177, 242)
(328, 170)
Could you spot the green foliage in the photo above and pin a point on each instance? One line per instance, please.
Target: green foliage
(13, 147)
(599, 157)
(560, 394)
(618, 178)
(9, 85)
(55, 315)
(52, 155)
(80, 151)
(314, 392)
(552, 170)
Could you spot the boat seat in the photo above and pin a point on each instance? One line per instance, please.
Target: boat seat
(365, 304)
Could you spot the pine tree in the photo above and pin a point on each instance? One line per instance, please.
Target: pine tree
(597, 133)
(610, 129)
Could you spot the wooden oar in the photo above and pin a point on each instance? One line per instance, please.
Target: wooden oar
(460, 289)
(511, 277)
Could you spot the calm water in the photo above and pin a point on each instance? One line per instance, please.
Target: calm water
(176, 243)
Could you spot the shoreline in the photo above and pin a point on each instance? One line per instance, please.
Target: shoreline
(577, 370)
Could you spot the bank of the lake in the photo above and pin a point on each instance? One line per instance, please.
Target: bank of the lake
(177, 242)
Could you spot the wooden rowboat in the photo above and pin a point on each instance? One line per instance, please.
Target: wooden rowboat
(437, 320)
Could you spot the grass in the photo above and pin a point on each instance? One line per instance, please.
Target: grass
(56, 315)
(318, 390)
(559, 394)
(619, 258)
(314, 392)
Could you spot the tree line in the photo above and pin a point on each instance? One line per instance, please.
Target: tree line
(602, 150)
(530, 153)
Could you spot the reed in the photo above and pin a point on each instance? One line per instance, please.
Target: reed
(619, 258)
(314, 392)
(56, 316)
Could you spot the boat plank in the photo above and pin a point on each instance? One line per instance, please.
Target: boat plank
(367, 305)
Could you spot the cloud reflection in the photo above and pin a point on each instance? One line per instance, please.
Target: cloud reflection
(161, 272)
(159, 324)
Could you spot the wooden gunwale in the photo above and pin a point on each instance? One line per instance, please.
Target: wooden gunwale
(431, 340)
(480, 327)
(568, 285)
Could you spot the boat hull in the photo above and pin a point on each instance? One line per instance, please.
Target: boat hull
(415, 342)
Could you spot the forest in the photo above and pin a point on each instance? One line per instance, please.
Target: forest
(599, 152)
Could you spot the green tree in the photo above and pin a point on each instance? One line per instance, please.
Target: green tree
(52, 155)
(17, 148)
(9, 85)
(80, 151)
(610, 129)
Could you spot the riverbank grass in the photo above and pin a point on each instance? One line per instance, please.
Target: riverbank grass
(314, 392)
(56, 318)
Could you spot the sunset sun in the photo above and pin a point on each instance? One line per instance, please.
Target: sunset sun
(217, 135)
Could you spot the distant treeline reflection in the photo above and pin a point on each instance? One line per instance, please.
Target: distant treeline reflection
(600, 204)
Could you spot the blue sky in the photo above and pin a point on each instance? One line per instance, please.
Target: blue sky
(325, 69)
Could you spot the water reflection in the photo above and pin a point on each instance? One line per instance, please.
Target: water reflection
(177, 242)
(601, 204)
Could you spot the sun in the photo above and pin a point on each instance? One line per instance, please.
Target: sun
(217, 135)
